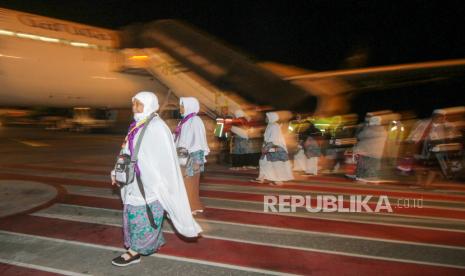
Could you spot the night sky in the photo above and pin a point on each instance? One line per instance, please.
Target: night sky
(317, 35)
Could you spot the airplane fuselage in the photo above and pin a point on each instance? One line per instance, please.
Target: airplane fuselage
(51, 62)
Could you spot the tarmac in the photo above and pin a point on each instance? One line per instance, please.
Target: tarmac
(60, 216)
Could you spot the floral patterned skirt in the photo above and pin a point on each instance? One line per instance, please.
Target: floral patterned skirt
(195, 163)
(139, 235)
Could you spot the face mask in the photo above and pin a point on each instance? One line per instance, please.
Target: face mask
(138, 116)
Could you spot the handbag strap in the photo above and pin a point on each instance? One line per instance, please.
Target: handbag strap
(141, 135)
(147, 207)
(139, 179)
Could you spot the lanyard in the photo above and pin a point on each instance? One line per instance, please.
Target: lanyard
(133, 129)
(178, 130)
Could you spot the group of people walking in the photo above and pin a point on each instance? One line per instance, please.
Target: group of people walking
(167, 168)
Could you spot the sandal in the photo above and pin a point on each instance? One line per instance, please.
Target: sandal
(261, 181)
(277, 183)
(195, 212)
(120, 261)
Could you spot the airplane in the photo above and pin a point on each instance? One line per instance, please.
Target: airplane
(57, 63)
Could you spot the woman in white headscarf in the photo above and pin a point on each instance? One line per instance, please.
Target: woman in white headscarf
(158, 169)
(192, 147)
(274, 162)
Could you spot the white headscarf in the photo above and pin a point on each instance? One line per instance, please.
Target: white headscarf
(273, 131)
(150, 102)
(191, 105)
(193, 135)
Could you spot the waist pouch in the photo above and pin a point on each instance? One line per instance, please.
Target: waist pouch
(125, 170)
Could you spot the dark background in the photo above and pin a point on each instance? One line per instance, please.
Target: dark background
(317, 35)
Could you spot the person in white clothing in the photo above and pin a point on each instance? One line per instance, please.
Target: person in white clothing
(192, 148)
(158, 169)
(274, 163)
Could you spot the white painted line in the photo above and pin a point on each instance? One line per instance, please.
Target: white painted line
(32, 143)
(39, 267)
(343, 220)
(321, 218)
(228, 188)
(277, 229)
(332, 235)
(106, 193)
(362, 189)
(39, 214)
(343, 253)
(302, 214)
(156, 255)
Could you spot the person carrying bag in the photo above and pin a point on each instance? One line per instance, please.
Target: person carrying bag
(150, 180)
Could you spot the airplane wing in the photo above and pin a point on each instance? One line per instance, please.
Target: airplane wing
(391, 76)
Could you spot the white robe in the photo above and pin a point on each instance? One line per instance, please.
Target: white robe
(193, 135)
(311, 165)
(300, 161)
(276, 170)
(162, 178)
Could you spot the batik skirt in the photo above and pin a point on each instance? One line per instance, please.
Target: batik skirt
(139, 235)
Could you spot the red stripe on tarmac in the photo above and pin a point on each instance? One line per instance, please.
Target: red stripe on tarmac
(227, 252)
(358, 229)
(349, 190)
(425, 211)
(7, 269)
(397, 208)
(288, 185)
(335, 179)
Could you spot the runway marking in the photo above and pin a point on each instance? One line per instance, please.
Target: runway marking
(330, 180)
(285, 259)
(302, 231)
(330, 234)
(297, 215)
(301, 188)
(442, 213)
(266, 191)
(256, 195)
(334, 179)
(339, 189)
(31, 143)
(39, 267)
(303, 223)
(93, 183)
(157, 255)
(204, 220)
(336, 252)
(428, 212)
